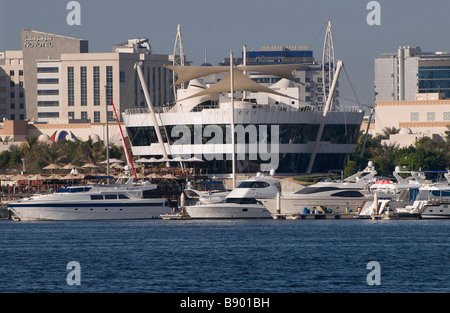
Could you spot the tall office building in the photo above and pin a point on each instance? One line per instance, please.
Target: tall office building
(400, 76)
(12, 92)
(55, 79)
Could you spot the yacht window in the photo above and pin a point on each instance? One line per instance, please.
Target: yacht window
(348, 193)
(96, 197)
(310, 190)
(110, 197)
(74, 189)
(253, 184)
(122, 196)
(241, 200)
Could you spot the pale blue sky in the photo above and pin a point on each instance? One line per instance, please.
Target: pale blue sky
(224, 26)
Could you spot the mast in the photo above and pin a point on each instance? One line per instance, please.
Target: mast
(325, 113)
(329, 80)
(178, 58)
(328, 65)
(107, 136)
(130, 162)
(138, 67)
(232, 119)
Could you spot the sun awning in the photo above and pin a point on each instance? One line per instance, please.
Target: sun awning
(241, 83)
(187, 73)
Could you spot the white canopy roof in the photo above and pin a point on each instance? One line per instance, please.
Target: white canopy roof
(241, 83)
(186, 73)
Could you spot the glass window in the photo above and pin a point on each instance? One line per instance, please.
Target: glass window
(109, 84)
(48, 81)
(83, 80)
(96, 116)
(48, 92)
(47, 70)
(96, 85)
(70, 87)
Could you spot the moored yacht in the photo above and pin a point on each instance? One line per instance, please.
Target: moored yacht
(241, 202)
(433, 200)
(344, 196)
(118, 201)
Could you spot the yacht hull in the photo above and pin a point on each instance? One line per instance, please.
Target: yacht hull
(89, 211)
(298, 206)
(228, 211)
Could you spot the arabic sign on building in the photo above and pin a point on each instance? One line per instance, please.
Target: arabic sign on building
(38, 42)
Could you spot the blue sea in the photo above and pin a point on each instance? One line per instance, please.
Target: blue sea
(226, 256)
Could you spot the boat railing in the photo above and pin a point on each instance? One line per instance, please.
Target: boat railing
(268, 107)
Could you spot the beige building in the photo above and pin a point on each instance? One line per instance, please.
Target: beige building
(428, 115)
(12, 92)
(88, 81)
(54, 80)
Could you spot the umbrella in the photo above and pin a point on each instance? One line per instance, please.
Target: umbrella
(111, 161)
(71, 177)
(52, 166)
(54, 176)
(89, 165)
(177, 159)
(170, 176)
(70, 166)
(142, 160)
(194, 159)
(18, 177)
(117, 165)
(35, 177)
(163, 160)
(153, 175)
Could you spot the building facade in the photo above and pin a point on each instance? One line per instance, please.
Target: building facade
(400, 76)
(12, 91)
(54, 79)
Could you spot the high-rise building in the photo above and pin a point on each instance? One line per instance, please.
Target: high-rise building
(12, 92)
(400, 76)
(55, 79)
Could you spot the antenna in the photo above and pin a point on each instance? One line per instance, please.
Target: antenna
(178, 57)
(328, 63)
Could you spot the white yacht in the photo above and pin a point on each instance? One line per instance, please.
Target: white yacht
(433, 200)
(119, 201)
(345, 196)
(391, 197)
(240, 202)
(208, 192)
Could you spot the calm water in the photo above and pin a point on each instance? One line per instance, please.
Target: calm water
(262, 256)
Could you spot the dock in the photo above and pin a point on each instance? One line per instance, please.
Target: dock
(326, 216)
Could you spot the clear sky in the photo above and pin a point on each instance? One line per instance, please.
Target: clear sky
(224, 26)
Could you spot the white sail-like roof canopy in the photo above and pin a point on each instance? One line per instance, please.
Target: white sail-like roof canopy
(241, 83)
(186, 73)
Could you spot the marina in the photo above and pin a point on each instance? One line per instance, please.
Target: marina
(226, 256)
